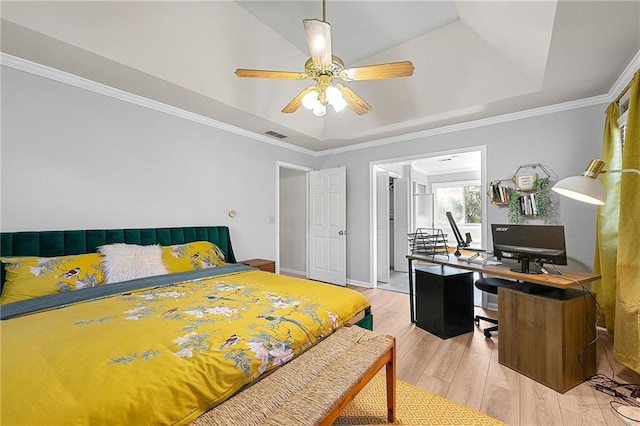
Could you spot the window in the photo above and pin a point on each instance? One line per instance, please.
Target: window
(461, 198)
(623, 104)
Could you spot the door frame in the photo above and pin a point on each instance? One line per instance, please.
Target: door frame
(373, 240)
(284, 165)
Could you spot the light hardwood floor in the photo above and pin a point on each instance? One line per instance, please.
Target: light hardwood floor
(465, 369)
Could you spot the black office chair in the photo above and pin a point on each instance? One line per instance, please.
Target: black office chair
(491, 285)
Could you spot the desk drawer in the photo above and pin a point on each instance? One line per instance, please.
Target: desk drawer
(444, 300)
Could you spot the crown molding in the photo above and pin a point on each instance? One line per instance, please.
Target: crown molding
(90, 85)
(498, 119)
(618, 87)
(625, 77)
(83, 83)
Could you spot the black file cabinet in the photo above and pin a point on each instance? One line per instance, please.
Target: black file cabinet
(444, 300)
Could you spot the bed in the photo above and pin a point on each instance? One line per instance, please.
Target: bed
(159, 349)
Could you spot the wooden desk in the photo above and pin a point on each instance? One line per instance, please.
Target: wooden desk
(547, 337)
(568, 279)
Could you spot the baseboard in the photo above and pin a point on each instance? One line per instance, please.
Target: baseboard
(292, 272)
(358, 283)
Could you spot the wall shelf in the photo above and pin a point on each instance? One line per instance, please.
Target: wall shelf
(526, 194)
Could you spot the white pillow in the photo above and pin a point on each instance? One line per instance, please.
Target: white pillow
(124, 262)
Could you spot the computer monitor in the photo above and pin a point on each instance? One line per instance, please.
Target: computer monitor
(531, 245)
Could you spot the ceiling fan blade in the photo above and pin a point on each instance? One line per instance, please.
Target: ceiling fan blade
(374, 72)
(319, 41)
(292, 75)
(355, 102)
(297, 101)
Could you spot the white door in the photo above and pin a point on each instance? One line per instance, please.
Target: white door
(327, 226)
(382, 225)
(401, 223)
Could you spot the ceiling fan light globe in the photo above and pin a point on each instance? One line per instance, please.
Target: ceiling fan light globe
(310, 100)
(333, 95)
(339, 104)
(319, 110)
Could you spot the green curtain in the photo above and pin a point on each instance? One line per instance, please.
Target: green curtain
(626, 344)
(605, 262)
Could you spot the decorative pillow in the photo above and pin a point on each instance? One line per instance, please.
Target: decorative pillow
(29, 277)
(192, 256)
(124, 262)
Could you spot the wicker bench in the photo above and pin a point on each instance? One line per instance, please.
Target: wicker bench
(315, 387)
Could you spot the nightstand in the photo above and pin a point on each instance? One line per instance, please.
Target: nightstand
(262, 264)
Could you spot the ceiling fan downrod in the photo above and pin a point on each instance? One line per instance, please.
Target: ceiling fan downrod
(324, 10)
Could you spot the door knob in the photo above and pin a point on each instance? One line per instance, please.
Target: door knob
(342, 232)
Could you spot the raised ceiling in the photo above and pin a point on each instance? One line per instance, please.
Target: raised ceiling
(473, 59)
(359, 29)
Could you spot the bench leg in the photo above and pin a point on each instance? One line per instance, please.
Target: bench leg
(387, 360)
(391, 384)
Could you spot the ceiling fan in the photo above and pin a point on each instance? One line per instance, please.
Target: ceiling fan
(324, 68)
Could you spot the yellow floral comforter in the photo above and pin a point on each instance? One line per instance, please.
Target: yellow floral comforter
(162, 355)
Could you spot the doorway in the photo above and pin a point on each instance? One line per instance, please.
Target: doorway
(311, 223)
(291, 222)
(411, 201)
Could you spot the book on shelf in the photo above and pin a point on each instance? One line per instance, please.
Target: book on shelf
(499, 193)
(533, 203)
(527, 205)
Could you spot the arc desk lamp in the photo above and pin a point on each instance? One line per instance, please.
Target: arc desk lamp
(587, 188)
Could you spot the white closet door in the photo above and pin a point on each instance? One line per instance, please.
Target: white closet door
(401, 223)
(382, 225)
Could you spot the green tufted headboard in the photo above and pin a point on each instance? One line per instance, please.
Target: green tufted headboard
(59, 243)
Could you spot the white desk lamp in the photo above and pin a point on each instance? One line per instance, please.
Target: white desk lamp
(587, 188)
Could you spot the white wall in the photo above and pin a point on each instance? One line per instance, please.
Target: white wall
(75, 159)
(563, 141)
(293, 221)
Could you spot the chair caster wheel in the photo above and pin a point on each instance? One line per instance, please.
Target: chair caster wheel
(477, 321)
(487, 334)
